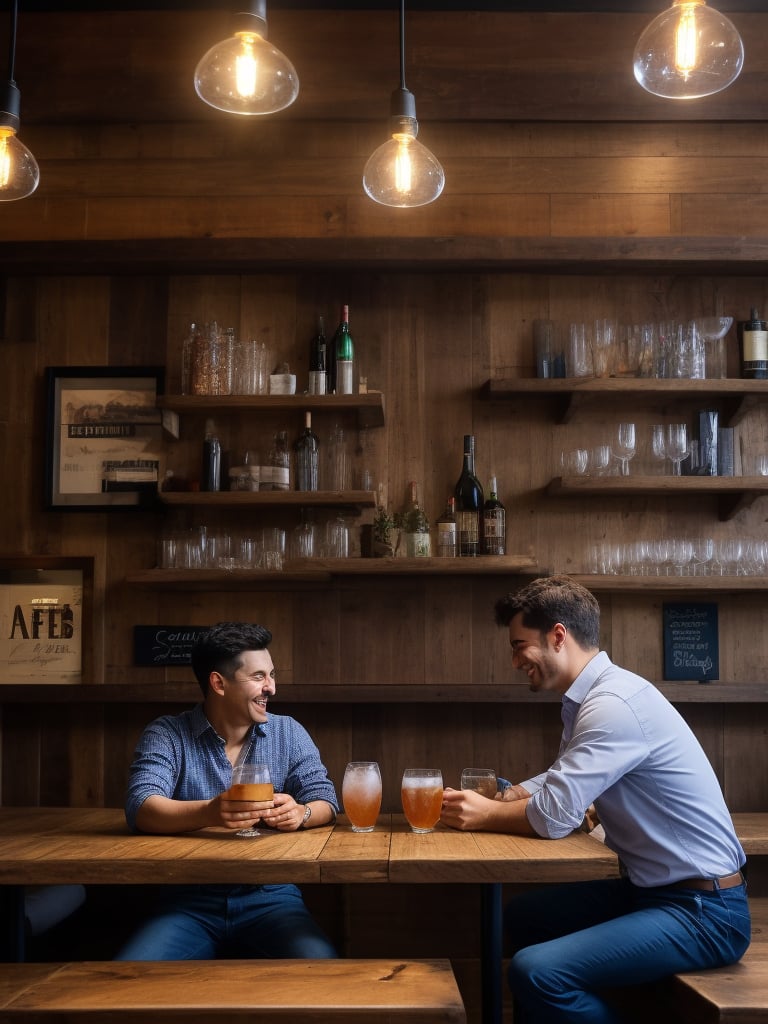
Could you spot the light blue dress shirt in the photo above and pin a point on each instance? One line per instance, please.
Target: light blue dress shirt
(183, 757)
(626, 750)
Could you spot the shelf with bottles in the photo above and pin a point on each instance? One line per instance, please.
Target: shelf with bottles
(736, 395)
(322, 570)
(731, 492)
(369, 407)
(268, 499)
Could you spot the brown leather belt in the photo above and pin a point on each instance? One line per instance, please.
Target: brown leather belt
(710, 884)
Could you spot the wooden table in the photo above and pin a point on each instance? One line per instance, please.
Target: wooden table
(92, 846)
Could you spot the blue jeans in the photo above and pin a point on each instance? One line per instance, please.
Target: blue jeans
(197, 922)
(572, 942)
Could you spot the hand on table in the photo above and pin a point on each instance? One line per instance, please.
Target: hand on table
(465, 809)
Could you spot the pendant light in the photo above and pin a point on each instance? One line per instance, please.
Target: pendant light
(403, 172)
(688, 51)
(19, 173)
(245, 74)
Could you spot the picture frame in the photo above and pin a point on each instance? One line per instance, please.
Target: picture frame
(104, 437)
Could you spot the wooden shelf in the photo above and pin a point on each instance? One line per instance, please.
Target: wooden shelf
(718, 692)
(731, 492)
(369, 407)
(321, 570)
(569, 394)
(695, 585)
(273, 499)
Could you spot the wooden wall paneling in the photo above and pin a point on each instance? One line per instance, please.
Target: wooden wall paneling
(320, 631)
(21, 756)
(382, 632)
(448, 631)
(86, 763)
(744, 745)
(636, 638)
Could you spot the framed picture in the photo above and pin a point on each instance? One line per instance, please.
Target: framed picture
(104, 436)
(45, 627)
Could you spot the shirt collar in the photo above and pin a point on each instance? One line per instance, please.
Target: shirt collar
(586, 679)
(200, 724)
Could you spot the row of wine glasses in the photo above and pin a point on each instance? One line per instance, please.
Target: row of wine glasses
(669, 442)
(679, 556)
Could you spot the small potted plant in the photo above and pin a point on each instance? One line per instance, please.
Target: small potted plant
(383, 524)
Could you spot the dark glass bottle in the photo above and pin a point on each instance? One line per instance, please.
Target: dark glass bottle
(317, 361)
(210, 475)
(469, 504)
(494, 523)
(344, 350)
(446, 531)
(753, 343)
(307, 457)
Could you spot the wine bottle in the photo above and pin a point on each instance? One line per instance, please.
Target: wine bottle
(446, 531)
(753, 338)
(317, 366)
(210, 475)
(345, 353)
(279, 460)
(494, 523)
(469, 503)
(307, 457)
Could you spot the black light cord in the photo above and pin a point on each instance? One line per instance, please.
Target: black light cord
(12, 40)
(402, 44)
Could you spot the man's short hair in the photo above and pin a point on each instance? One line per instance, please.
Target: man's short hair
(553, 599)
(220, 647)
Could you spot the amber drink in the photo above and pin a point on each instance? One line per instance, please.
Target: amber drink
(481, 780)
(361, 794)
(422, 795)
(251, 782)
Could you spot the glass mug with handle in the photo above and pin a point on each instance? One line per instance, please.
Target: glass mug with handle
(481, 780)
(252, 783)
(422, 796)
(361, 794)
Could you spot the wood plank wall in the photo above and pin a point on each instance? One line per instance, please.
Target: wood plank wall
(154, 211)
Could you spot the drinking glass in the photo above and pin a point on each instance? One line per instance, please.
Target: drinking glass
(421, 792)
(599, 460)
(575, 462)
(481, 780)
(251, 782)
(676, 445)
(624, 449)
(703, 552)
(361, 794)
(659, 444)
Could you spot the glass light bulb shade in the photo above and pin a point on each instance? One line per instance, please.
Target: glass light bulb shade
(688, 51)
(403, 172)
(246, 75)
(19, 173)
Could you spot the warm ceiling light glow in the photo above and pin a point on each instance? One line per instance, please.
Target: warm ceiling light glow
(688, 51)
(245, 74)
(402, 172)
(19, 173)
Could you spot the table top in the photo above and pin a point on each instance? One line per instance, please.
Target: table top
(47, 846)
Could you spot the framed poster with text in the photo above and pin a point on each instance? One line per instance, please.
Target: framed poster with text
(104, 437)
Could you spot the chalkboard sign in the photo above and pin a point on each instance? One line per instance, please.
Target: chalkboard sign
(691, 642)
(164, 645)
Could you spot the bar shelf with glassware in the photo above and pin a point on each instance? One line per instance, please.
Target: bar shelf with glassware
(732, 492)
(369, 407)
(737, 395)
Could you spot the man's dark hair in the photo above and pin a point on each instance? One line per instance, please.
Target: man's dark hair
(553, 599)
(220, 647)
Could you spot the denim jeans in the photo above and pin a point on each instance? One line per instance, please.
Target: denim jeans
(571, 942)
(199, 922)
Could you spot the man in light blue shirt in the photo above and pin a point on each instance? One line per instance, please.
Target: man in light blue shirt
(178, 782)
(681, 902)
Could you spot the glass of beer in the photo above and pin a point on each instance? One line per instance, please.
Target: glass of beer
(422, 795)
(481, 780)
(361, 794)
(251, 783)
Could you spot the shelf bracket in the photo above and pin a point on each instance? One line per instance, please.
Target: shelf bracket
(728, 505)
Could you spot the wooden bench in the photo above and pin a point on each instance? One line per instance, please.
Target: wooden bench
(730, 995)
(216, 991)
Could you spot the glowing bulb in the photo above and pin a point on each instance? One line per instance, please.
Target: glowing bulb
(19, 173)
(245, 74)
(402, 172)
(688, 51)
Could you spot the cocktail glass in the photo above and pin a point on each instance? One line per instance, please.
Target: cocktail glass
(422, 796)
(251, 783)
(361, 794)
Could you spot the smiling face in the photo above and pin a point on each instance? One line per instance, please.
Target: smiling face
(245, 694)
(540, 655)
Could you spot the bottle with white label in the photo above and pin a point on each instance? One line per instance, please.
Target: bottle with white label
(447, 541)
(753, 338)
(494, 523)
(345, 354)
(280, 461)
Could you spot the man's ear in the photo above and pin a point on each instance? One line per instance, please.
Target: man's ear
(216, 682)
(559, 633)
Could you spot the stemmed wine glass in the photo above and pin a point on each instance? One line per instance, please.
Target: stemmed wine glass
(252, 783)
(659, 444)
(624, 449)
(676, 445)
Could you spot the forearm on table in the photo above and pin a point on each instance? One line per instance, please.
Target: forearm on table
(323, 813)
(163, 816)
